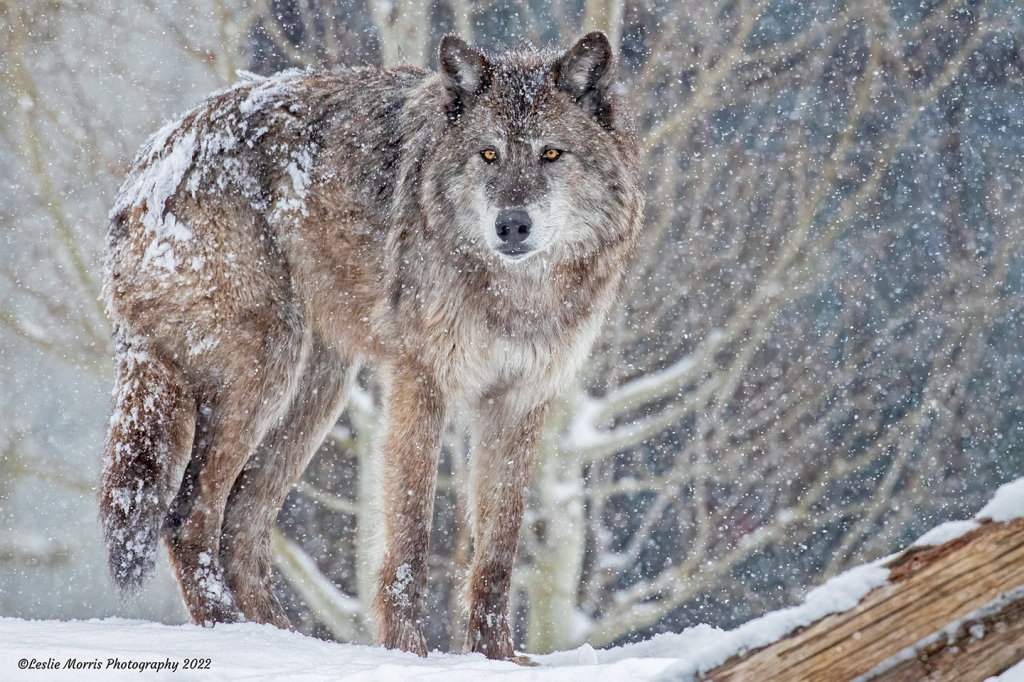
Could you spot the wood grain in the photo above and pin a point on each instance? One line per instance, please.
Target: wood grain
(928, 589)
(965, 656)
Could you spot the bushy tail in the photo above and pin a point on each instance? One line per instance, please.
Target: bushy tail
(150, 429)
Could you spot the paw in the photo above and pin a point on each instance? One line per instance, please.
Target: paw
(495, 648)
(406, 637)
(209, 614)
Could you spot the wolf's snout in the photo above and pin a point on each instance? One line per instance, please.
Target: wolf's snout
(513, 226)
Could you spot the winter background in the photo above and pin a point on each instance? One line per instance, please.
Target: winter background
(817, 357)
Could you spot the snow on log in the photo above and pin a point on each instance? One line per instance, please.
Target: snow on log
(952, 611)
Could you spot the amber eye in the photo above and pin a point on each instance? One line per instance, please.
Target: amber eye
(489, 155)
(552, 154)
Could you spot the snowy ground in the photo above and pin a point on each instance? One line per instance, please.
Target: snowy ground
(118, 649)
(258, 653)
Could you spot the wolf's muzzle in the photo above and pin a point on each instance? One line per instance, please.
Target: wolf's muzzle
(513, 227)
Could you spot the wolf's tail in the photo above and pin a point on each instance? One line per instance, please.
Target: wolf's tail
(150, 430)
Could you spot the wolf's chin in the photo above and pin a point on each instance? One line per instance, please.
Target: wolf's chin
(516, 256)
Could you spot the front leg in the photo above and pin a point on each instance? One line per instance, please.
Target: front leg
(506, 438)
(409, 455)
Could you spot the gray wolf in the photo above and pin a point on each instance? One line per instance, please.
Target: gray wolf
(464, 230)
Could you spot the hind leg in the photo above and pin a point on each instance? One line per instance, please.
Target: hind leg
(233, 421)
(149, 434)
(269, 476)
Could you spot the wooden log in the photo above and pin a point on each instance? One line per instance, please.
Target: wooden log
(977, 650)
(928, 588)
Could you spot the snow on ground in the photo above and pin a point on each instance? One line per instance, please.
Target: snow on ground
(118, 649)
(261, 653)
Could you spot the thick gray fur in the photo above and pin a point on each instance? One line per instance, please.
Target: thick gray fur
(288, 229)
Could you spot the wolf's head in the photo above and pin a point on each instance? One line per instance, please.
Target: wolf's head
(532, 158)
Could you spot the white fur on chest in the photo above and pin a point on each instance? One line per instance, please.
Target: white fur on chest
(532, 370)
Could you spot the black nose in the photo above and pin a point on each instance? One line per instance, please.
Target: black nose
(513, 226)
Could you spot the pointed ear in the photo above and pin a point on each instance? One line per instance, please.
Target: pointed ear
(466, 71)
(586, 73)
